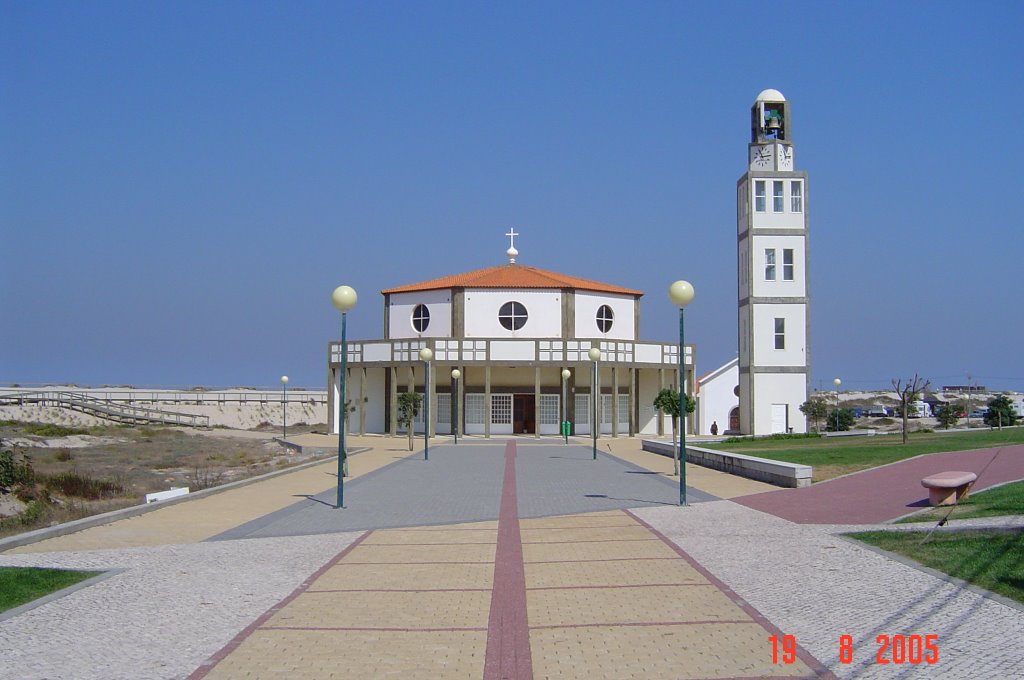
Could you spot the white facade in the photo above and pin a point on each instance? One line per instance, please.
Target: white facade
(772, 276)
(510, 331)
(717, 399)
(543, 308)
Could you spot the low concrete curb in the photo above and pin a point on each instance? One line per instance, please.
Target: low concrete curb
(775, 472)
(30, 537)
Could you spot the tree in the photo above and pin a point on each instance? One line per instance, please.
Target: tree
(948, 415)
(1000, 412)
(667, 401)
(907, 392)
(841, 419)
(815, 408)
(408, 409)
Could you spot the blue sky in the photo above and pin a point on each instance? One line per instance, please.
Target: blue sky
(183, 184)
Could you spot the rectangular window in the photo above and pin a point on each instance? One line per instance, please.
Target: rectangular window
(777, 196)
(780, 333)
(550, 409)
(501, 409)
(444, 409)
(759, 195)
(474, 409)
(796, 197)
(769, 264)
(787, 264)
(582, 409)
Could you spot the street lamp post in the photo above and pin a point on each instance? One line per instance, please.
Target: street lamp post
(681, 294)
(566, 373)
(456, 374)
(595, 356)
(426, 355)
(284, 404)
(343, 298)
(837, 382)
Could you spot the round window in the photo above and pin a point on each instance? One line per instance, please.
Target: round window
(420, 318)
(605, 318)
(512, 316)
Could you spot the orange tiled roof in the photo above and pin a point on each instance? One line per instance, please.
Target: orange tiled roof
(512, 276)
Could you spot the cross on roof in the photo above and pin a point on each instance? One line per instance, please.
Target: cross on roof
(512, 252)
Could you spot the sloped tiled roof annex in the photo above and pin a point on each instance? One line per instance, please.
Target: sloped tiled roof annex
(512, 276)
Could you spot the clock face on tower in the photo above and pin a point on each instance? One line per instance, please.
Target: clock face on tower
(786, 158)
(761, 156)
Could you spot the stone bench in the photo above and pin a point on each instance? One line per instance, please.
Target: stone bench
(946, 488)
(777, 472)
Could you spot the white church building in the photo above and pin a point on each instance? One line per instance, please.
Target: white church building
(510, 330)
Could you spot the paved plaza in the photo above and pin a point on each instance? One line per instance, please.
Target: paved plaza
(516, 558)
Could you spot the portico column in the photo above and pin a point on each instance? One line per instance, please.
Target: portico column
(632, 401)
(431, 390)
(362, 400)
(487, 401)
(393, 400)
(615, 401)
(536, 402)
(412, 390)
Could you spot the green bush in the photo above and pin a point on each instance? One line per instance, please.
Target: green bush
(47, 430)
(777, 435)
(15, 470)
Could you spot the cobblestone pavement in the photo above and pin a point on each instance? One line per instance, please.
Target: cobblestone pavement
(657, 591)
(818, 587)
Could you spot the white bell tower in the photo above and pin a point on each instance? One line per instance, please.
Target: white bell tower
(772, 264)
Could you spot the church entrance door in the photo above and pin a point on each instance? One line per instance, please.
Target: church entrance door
(523, 414)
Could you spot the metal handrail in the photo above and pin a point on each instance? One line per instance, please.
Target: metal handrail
(122, 413)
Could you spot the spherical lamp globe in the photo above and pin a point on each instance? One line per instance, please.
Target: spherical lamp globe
(456, 374)
(566, 374)
(594, 354)
(284, 380)
(344, 298)
(426, 354)
(680, 293)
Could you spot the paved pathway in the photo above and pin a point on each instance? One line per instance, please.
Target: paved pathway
(507, 569)
(884, 493)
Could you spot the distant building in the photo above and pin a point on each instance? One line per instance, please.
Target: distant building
(718, 399)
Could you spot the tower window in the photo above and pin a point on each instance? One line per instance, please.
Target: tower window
(512, 316)
(420, 318)
(796, 197)
(759, 195)
(787, 264)
(777, 195)
(780, 333)
(605, 318)
(769, 264)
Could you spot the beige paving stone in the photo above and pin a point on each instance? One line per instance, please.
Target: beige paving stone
(565, 534)
(467, 609)
(405, 537)
(468, 526)
(570, 606)
(606, 550)
(396, 554)
(301, 655)
(621, 572)
(347, 576)
(609, 518)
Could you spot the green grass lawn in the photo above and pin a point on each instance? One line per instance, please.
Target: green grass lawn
(1007, 499)
(19, 585)
(835, 456)
(990, 559)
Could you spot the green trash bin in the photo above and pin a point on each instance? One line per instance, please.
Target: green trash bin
(566, 428)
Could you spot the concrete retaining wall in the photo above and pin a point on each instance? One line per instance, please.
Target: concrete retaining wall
(775, 472)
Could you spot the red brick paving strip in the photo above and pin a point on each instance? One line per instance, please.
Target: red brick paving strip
(819, 668)
(508, 634)
(212, 662)
(887, 492)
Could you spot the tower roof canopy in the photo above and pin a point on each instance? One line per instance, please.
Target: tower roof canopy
(512, 276)
(770, 96)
